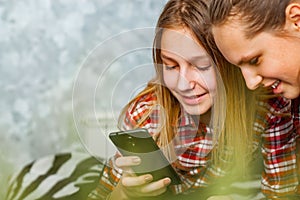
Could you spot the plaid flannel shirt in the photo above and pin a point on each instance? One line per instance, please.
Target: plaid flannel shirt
(276, 134)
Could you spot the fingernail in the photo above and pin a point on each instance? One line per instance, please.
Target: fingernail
(148, 178)
(167, 181)
(136, 160)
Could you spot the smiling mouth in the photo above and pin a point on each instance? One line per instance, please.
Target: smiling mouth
(194, 96)
(275, 84)
(194, 99)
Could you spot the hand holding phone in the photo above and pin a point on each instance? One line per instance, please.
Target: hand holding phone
(140, 143)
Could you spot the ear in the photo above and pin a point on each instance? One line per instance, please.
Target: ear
(292, 16)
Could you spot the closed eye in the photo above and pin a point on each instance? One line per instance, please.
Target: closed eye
(203, 68)
(253, 61)
(170, 67)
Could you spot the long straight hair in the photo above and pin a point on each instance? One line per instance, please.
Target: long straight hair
(232, 117)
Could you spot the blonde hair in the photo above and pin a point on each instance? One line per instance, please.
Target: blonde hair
(232, 118)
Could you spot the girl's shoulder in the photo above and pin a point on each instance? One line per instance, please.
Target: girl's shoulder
(277, 105)
(275, 115)
(140, 111)
(143, 103)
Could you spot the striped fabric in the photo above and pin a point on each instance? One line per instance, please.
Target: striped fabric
(67, 176)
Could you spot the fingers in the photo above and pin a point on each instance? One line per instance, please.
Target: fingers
(156, 186)
(133, 181)
(144, 183)
(142, 186)
(127, 161)
(138, 186)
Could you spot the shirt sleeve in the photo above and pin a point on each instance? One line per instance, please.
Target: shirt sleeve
(278, 147)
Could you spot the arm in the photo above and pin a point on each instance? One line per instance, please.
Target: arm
(279, 177)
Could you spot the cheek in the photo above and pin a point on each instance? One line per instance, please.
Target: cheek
(208, 80)
(169, 79)
(278, 67)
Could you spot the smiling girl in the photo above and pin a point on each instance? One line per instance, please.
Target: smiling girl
(186, 109)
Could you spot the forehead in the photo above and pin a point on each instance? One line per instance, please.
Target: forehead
(181, 42)
(231, 41)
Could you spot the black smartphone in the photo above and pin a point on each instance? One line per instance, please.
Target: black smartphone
(139, 142)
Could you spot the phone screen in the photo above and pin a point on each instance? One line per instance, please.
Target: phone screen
(139, 142)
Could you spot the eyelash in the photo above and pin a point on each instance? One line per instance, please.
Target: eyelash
(253, 61)
(203, 68)
(168, 67)
(206, 68)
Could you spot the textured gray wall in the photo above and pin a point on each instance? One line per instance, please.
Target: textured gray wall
(44, 44)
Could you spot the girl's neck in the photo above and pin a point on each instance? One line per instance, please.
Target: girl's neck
(204, 118)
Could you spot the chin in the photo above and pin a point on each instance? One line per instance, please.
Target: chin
(195, 110)
(291, 95)
(194, 113)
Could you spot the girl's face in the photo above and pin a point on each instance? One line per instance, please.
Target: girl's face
(266, 59)
(187, 71)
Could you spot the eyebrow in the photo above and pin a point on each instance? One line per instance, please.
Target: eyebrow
(240, 62)
(165, 57)
(248, 57)
(244, 59)
(192, 58)
(195, 58)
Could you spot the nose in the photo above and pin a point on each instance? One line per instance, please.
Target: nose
(185, 80)
(252, 78)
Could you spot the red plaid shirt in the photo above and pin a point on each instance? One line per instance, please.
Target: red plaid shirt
(276, 134)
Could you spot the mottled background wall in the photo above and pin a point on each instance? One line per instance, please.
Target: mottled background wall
(47, 46)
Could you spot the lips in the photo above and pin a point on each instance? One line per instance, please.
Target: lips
(194, 99)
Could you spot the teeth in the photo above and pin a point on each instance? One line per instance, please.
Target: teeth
(275, 84)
